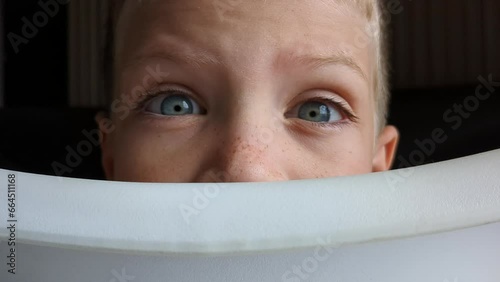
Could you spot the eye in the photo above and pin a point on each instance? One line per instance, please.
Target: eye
(173, 103)
(322, 112)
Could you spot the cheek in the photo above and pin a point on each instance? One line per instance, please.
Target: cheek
(356, 157)
(342, 154)
(145, 155)
(348, 155)
(350, 152)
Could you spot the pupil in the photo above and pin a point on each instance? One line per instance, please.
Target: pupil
(176, 105)
(315, 112)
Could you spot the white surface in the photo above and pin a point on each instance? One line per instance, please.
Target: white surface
(470, 255)
(258, 231)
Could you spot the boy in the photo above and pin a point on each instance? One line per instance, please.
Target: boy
(240, 91)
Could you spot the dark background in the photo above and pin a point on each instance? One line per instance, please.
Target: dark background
(37, 75)
(439, 47)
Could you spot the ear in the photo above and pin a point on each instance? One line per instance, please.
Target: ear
(106, 127)
(385, 149)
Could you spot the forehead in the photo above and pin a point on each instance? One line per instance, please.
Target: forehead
(224, 8)
(246, 34)
(286, 17)
(365, 7)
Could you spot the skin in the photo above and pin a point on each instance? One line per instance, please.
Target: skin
(250, 70)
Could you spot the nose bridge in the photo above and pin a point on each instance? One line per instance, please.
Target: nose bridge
(246, 121)
(245, 149)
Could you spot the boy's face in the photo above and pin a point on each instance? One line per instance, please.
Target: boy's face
(243, 91)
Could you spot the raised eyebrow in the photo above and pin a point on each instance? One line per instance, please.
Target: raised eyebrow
(172, 52)
(340, 58)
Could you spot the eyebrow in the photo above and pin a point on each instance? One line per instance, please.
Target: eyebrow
(339, 58)
(170, 51)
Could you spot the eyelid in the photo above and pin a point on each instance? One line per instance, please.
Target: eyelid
(166, 91)
(344, 107)
(339, 103)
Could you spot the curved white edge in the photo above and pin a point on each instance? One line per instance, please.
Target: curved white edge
(225, 218)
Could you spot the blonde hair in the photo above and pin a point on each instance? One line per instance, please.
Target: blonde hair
(371, 9)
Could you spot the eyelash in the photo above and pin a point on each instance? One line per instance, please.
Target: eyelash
(341, 106)
(146, 97)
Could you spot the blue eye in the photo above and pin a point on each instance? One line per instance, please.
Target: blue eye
(173, 105)
(319, 112)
